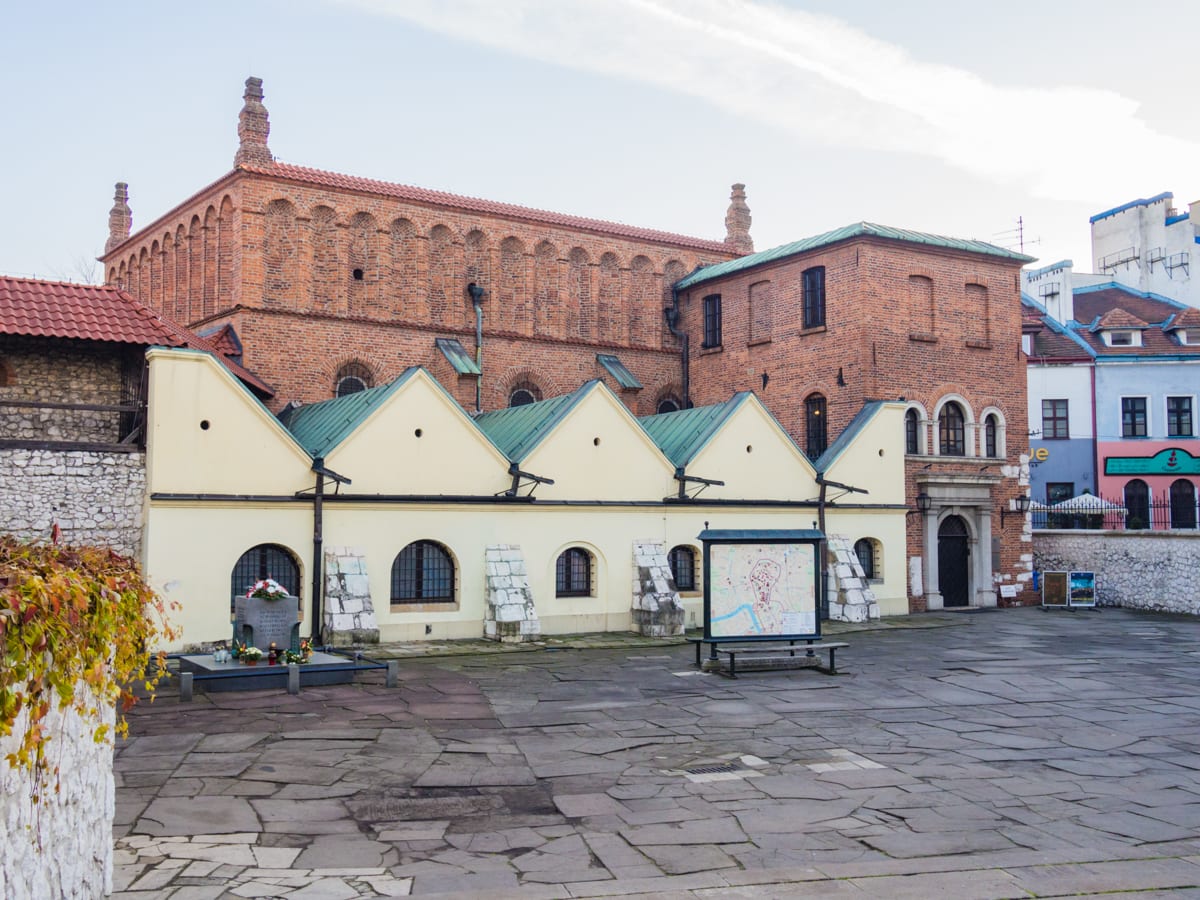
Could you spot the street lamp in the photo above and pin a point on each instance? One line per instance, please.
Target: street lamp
(1020, 507)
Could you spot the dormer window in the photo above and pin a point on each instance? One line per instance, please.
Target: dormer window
(1123, 338)
(1182, 334)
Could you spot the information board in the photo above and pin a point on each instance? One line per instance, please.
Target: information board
(1055, 591)
(1083, 588)
(761, 585)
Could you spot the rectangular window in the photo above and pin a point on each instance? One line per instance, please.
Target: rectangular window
(1133, 417)
(1179, 417)
(1057, 491)
(712, 321)
(1121, 339)
(1055, 423)
(814, 297)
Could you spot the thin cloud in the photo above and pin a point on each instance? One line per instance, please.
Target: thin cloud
(823, 80)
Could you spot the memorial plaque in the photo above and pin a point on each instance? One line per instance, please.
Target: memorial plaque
(259, 622)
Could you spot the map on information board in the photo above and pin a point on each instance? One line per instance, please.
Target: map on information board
(762, 590)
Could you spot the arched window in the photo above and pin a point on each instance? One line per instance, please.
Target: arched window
(524, 393)
(952, 439)
(352, 378)
(1137, 504)
(573, 573)
(682, 560)
(867, 551)
(1183, 504)
(991, 431)
(423, 572)
(814, 425)
(668, 405)
(912, 432)
(264, 561)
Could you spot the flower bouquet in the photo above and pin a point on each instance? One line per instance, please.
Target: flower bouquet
(250, 655)
(268, 588)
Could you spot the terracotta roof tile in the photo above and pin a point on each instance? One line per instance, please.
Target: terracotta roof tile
(321, 178)
(1090, 305)
(1189, 318)
(89, 312)
(1119, 318)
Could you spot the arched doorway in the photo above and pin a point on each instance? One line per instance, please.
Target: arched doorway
(1183, 504)
(954, 580)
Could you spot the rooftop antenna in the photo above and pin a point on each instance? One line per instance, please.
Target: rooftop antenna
(1014, 238)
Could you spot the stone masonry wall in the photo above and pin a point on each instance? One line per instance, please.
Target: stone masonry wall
(348, 610)
(37, 370)
(656, 610)
(1153, 570)
(850, 596)
(96, 498)
(62, 846)
(510, 615)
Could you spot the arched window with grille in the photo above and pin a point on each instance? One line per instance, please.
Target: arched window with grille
(952, 436)
(352, 378)
(867, 551)
(423, 572)
(264, 561)
(815, 431)
(682, 560)
(668, 404)
(523, 393)
(573, 573)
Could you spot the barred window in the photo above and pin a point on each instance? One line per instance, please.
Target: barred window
(423, 572)
(682, 560)
(352, 378)
(952, 438)
(573, 573)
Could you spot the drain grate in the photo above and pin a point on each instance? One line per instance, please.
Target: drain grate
(713, 769)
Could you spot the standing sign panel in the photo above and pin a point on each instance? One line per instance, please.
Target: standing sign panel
(1083, 588)
(761, 585)
(1055, 590)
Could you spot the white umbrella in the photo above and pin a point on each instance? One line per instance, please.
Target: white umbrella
(1088, 504)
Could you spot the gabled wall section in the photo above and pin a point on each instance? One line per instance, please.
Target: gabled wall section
(598, 451)
(755, 457)
(208, 435)
(419, 441)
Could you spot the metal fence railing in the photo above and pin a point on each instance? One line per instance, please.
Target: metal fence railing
(1107, 514)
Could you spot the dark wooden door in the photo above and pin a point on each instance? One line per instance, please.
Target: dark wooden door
(953, 553)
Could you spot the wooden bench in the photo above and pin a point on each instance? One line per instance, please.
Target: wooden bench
(780, 657)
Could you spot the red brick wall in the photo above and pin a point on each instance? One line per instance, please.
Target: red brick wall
(555, 295)
(886, 340)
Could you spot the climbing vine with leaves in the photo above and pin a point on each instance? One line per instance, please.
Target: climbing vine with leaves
(72, 617)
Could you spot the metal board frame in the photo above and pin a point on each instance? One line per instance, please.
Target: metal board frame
(1056, 589)
(749, 539)
(1083, 589)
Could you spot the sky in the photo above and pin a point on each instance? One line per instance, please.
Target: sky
(936, 115)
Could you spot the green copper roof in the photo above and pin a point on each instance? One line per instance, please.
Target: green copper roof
(849, 433)
(458, 357)
(518, 429)
(859, 229)
(617, 370)
(319, 427)
(682, 434)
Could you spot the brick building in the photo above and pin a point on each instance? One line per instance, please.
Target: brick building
(819, 327)
(330, 281)
(327, 283)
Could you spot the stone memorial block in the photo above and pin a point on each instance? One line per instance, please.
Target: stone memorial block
(260, 622)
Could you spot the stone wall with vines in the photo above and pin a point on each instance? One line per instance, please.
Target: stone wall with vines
(75, 623)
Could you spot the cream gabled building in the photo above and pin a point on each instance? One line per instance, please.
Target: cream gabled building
(562, 516)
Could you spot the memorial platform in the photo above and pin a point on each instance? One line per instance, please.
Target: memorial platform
(322, 668)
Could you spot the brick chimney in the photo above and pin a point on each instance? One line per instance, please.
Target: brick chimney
(120, 217)
(253, 128)
(737, 221)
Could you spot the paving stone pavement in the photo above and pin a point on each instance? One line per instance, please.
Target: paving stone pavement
(1007, 753)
